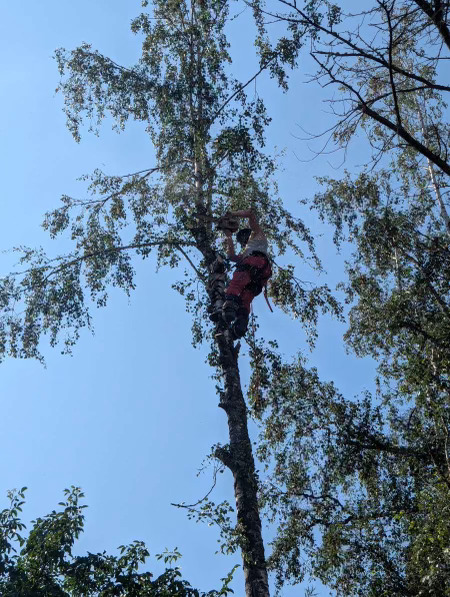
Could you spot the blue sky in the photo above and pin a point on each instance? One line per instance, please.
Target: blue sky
(132, 414)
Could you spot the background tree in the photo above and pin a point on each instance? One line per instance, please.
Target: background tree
(374, 58)
(42, 563)
(208, 137)
(362, 486)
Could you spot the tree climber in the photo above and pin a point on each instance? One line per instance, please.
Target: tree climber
(251, 274)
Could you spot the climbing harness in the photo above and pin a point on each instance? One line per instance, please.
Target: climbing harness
(259, 275)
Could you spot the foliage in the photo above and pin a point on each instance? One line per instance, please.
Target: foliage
(43, 564)
(359, 488)
(348, 481)
(208, 139)
(378, 59)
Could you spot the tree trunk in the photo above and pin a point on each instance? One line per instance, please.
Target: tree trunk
(238, 457)
(444, 214)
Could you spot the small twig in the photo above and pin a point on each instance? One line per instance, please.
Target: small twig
(197, 271)
(217, 469)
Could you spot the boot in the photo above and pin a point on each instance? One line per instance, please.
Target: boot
(240, 324)
(230, 308)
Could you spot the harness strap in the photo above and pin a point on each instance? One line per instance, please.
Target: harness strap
(257, 273)
(267, 298)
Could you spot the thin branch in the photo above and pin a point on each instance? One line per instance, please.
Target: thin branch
(241, 88)
(391, 74)
(403, 133)
(57, 268)
(197, 271)
(204, 498)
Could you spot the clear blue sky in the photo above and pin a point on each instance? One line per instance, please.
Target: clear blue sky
(132, 414)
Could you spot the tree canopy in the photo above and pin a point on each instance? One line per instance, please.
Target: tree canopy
(209, 140)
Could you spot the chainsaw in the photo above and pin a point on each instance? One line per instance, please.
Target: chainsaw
(225, 222)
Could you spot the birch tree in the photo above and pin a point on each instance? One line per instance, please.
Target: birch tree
(208, 138)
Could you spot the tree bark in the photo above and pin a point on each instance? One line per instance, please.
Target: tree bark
(238, 457)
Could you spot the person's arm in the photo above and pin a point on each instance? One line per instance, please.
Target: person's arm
(252, 219)
(229, 246)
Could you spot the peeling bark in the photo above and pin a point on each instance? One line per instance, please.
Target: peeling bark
(237, 455)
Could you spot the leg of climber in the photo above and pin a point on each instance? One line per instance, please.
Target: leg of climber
(230, 308)
(240, 324)
(233, 294)
(238, 316)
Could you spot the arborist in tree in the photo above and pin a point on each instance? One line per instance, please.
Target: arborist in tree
(251, 274)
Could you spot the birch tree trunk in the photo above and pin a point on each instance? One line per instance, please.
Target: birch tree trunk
(434, 182)
(238, 457)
